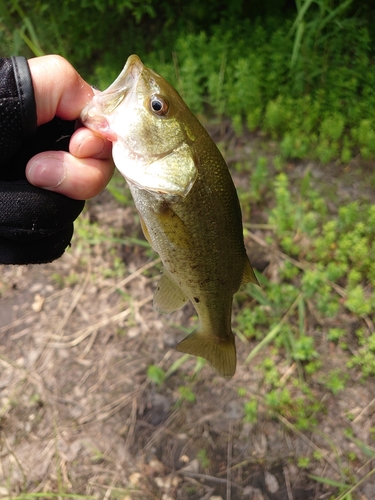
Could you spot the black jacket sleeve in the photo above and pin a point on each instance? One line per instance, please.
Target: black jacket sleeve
(36, 225)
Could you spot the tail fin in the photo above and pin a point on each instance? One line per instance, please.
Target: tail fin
(221, 354)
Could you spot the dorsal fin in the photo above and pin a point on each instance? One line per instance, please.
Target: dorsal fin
(248, 274)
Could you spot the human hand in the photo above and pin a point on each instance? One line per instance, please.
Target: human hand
(86, 169)
(41, 102)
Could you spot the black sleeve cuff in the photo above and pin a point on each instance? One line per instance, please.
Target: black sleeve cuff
(18, 120)
(25, 94)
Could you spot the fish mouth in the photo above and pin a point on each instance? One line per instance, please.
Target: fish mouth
(105, 103)
(124, 85)
(128, 76)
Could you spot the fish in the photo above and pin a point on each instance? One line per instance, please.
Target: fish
(187, 203)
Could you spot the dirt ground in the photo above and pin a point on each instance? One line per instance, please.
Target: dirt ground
(80, 418)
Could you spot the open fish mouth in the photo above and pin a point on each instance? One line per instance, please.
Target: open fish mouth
(105, 103)
(122, 87)
(127, 79)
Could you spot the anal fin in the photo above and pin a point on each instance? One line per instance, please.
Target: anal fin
(168, 295)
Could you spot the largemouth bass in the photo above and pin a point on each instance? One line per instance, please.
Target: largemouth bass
(186, 199)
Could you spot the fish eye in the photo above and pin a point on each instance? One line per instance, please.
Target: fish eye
(159, 105)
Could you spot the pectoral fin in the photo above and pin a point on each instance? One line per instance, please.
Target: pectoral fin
(168, 296)
(248, 274)
(174, 229)
(145, 230)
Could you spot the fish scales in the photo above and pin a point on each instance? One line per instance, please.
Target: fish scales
(187, 202)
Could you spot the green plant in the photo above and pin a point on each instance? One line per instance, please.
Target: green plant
(251, 411)
(156, 374)
(186, 394)
(335, 334)
(336, 381)
(304, 462)
(259, 179)
(203, 459)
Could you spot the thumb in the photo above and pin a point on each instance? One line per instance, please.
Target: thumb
(59, 90)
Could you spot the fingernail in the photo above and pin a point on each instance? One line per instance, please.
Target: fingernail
(47, 172)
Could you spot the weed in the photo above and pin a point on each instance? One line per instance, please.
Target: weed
(259, 179)
(251, 411)
(203, 459)
(336, 381)
(303, 462)
(156, 374)
(241, 391)
(186, 394)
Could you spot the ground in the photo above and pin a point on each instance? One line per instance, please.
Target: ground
(80, 417)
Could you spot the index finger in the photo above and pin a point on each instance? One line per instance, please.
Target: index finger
(59, 90)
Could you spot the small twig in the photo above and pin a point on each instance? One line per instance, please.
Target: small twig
(89, 345)
(133, 420)
(106, 313)
(207, 417)
(288, 373)
(369, 323)
(364, 411)
(123, 491)
(11, 452)
(287, 483)
(359, 470)
(107, 493)
(208, 495)
(107, 410)
(77, 294)
(129, 278)
(229, 461)
(207, 478)
(64, 473)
